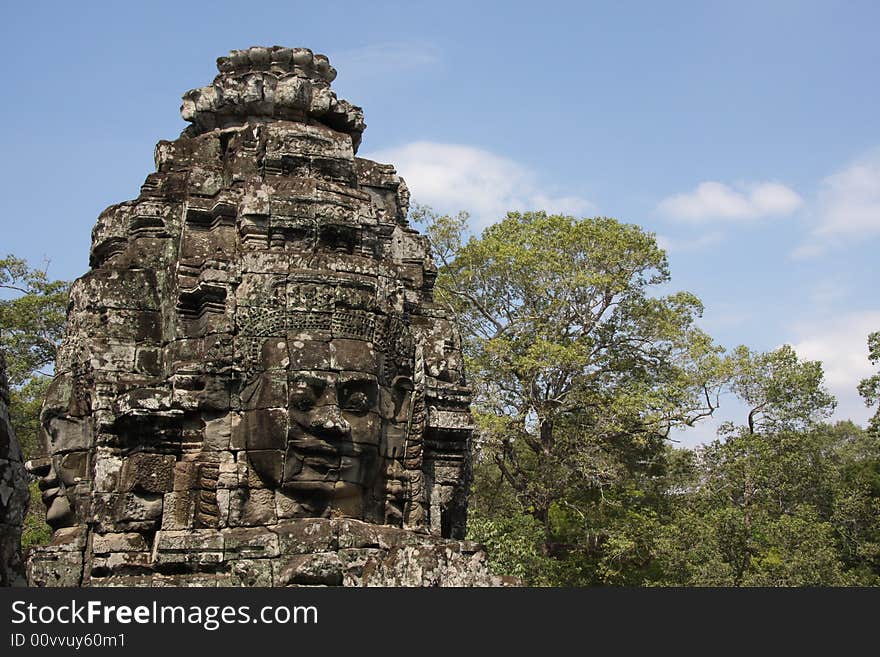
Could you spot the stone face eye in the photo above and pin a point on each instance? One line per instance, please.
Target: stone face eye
(358, 396)
(303, 394)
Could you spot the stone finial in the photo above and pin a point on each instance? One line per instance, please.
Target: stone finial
(290, 84)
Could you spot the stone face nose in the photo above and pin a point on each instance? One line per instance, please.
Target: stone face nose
(327, 422)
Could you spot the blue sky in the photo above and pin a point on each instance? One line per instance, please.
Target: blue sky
(745, 134)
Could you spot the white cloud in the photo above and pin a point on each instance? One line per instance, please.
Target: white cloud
(847, 208)
(678, 244)
(850, 200)
(716, 201)
(841, 343)
(452, 177)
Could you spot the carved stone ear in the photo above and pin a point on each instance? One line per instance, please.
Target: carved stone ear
(402, 383)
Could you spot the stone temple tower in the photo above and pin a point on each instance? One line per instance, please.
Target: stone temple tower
(256, 386)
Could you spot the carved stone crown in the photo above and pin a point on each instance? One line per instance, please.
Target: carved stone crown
(271, 83)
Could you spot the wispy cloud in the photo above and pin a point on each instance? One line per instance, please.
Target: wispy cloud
(807, 251)
(380, 59)
(682, 244)
(841, 343)
(850, 200)
(714, 201)
(848, 207)
(453, 177)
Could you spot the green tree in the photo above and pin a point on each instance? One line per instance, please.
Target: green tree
(793, 508)
(32, 318)
(780, 391)
(869, 387)
(580, 372)
(33, 312)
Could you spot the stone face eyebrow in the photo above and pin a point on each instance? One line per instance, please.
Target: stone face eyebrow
(312, 380)
(346, 377)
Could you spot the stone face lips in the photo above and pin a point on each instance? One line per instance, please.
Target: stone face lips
(256, 344)
(14, 494)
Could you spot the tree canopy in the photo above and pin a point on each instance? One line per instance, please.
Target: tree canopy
(582, 364)
(32, 315)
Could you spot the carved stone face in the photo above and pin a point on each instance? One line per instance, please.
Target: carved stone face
(65, 470)
(329, 440)
(322, 420)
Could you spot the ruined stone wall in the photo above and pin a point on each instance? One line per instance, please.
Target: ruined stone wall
(255, 353)
(14, 494)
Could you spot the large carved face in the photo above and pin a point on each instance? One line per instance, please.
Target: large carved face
(64, 472)
(326, 400)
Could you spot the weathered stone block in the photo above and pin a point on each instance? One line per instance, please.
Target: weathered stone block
(108, 468)
(249, 543)
(251, 507)
(148, 473)
(178, 509)
(218, 432)
(118, 542)
(49, 567)
(251, 572)
(306, 535)
(195, 546)
(257, 340)
(117, 563)
(355, 560)
(322, 568)
(357, 534)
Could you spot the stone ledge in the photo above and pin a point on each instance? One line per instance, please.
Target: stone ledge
(304, 552)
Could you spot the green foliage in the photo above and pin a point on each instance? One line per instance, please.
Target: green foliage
(24, 408)
(578, 371)
(35, 530)
(796, 549)
(796, 508)
(581, 370)
(514, 545)
(781, 392)
(445, 232)
(31, 318)
(697, 549)
(869, 388)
